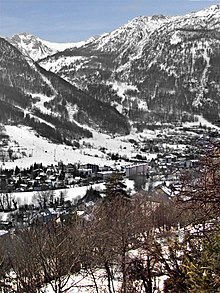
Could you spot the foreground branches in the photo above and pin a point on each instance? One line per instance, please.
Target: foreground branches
(125, 244)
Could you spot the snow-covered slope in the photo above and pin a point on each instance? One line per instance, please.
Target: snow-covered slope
(179, 64)
(38, 149)
(121, 46)
(171, 61)
(37, 48)
(131, 36)
(31, 96)
(151, 68)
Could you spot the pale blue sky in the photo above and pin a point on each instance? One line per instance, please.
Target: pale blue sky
(76, 20)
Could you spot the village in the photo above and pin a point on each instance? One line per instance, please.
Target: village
(175, 150)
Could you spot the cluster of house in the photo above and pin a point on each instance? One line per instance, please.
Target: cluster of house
(39, 178)
(162, 172)
(166, 164)
(45, 215)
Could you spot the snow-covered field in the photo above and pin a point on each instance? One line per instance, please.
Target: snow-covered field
(72, 193)
(203, 122)
(40, 150)
(34, 149)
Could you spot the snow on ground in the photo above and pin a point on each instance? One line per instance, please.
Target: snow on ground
(40, 102)
(84, 283)
(62, 46)
(121, 88)
(72, 193)
(3, 232)
(203, 122)
(175, 39)
(56, 65)
(40, 150)
(4, 216)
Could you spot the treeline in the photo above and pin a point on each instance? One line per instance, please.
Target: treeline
(44, 129)
(68, 129)
(14, 96)
(104, 93)
(125, 244)
(10, 113)
(97, 113)
(18, 73)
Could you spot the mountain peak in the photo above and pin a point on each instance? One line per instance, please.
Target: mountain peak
(26, 34)
(158, 17)
(214, 7)
(23, 35)
(37, 48)
(211, 10)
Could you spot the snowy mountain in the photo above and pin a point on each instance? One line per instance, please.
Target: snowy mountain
(106, 52)
(166, 65)
(37, 48)
(179, 64)
(31, 96)
(151, 69)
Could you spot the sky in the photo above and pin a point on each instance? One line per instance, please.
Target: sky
(78, 20)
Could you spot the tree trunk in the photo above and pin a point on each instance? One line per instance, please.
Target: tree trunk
(124, 275)
(149, 282)
(109, 275)
(94, 280)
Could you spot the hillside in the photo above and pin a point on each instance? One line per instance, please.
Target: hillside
(152, 69)
(31, 96)
(166, 66)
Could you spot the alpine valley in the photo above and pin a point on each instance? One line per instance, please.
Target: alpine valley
(154, 69)
(110, 156)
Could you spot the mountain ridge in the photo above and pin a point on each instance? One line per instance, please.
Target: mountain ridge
(32, 96)
(37, 48)
(171, 62)
(154, 68)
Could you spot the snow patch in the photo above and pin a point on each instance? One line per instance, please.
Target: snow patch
(41, 99)
(56, 65)
(122, 87)
(175, 39)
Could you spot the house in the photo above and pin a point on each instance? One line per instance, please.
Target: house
(85, 172)
(5, 220)
(161, 194)
(103, 175)
(91, 195)
(93, 167)
(158, 195)
(44, 216)
(136, 169)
